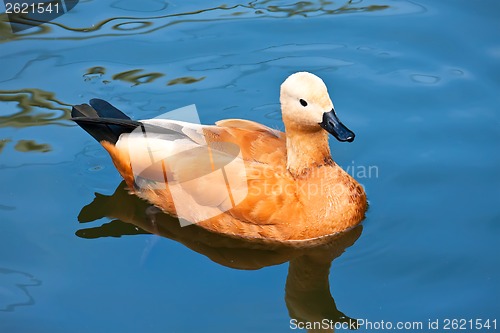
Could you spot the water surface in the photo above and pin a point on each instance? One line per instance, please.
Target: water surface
(417, 81)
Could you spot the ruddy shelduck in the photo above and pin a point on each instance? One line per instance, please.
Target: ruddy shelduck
(287, 186)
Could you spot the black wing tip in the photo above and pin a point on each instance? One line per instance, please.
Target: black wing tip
(102, 120)
(106, 110)
(96, 100)
(83, 110)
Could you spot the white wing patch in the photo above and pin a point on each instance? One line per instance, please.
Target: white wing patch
(199, 176)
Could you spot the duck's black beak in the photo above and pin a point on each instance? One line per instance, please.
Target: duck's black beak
(332, 125)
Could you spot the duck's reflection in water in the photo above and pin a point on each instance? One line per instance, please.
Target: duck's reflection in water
(307, 291)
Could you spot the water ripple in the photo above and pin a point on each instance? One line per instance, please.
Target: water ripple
(26, 146)
(37, 107)
(133, 25)
(14, 289)
(425, 79)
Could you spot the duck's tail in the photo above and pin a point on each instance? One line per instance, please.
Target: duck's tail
(102, 120)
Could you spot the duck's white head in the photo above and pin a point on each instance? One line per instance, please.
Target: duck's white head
(307, 107)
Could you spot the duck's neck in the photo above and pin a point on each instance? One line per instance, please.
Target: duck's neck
(306, 150)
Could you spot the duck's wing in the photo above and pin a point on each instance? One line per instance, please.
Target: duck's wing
(258, 143)
(176, 147)
(204, 169)
(248, 125)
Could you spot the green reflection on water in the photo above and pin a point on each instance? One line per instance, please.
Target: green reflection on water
(134, 76)
(25, 146)
(305, 7)
(37, 108)
(6, 33)
(185, 80)
(137, 76)
(97, 70)
(127, 26)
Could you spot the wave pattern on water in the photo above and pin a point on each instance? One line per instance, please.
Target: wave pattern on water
(37, 107)
(14, 287)
(133, 25)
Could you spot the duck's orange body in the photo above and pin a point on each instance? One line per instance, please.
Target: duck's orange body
(293, 188)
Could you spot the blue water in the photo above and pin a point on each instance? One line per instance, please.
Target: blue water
(417, 81)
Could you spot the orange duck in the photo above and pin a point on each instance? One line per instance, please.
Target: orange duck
(239, 177)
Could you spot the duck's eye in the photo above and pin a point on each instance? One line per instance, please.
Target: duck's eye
(303, 102)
